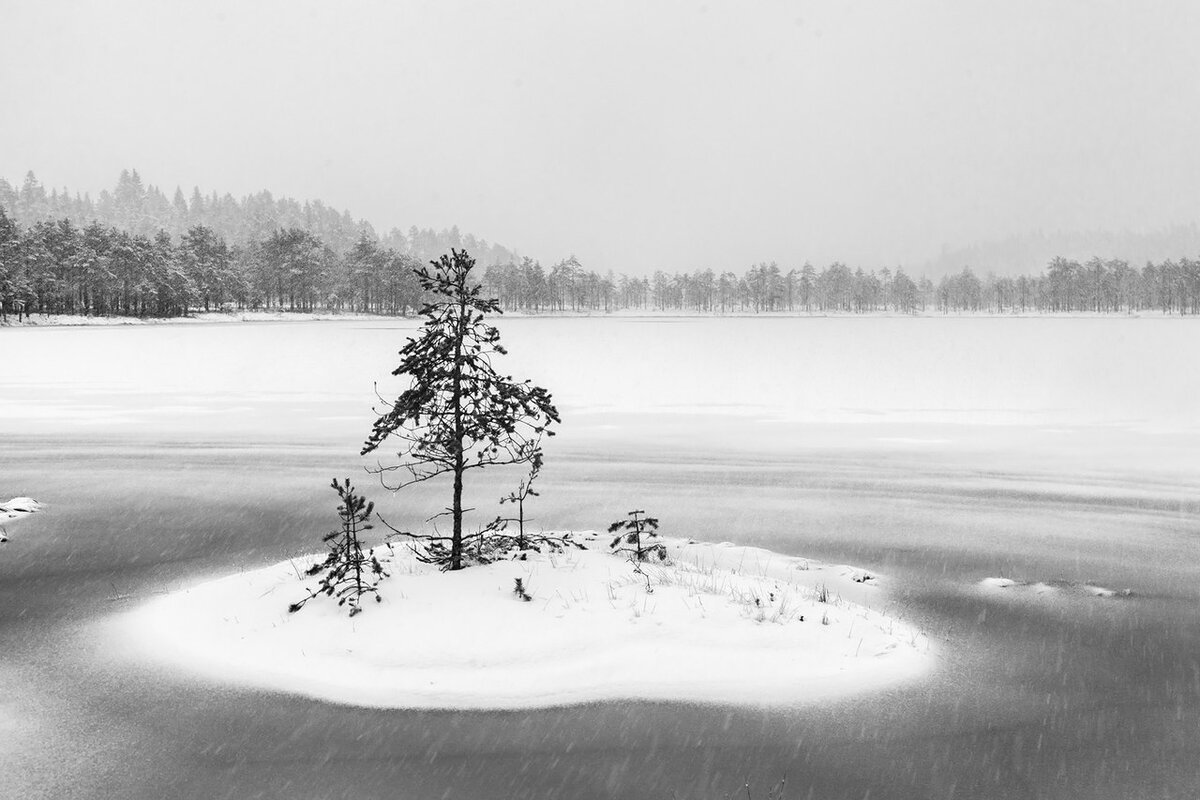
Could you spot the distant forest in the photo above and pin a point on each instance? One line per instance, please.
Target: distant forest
(132, 252)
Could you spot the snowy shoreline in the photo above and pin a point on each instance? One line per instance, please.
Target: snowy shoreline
(198, 318)
(209, 317)
(723, 624)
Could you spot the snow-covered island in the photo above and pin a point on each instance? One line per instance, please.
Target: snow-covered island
(716, 623)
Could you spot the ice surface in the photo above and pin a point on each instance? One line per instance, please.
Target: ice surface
(1047, 373)
(1094, 480)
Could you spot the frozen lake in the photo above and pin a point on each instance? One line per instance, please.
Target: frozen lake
(939, 451)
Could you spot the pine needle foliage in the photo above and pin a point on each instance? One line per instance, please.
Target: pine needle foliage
(458, 413)
(634, 536)
(350, 572)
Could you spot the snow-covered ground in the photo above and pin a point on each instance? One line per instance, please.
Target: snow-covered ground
(714, 624)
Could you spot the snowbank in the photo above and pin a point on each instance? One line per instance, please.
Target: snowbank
(722, 624)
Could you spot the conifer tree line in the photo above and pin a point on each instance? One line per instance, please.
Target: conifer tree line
(134, 253)
(60, 268)
(1067, 286)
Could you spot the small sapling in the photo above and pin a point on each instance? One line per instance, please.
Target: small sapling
(350, 572)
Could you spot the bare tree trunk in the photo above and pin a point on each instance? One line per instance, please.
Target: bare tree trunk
(456, 510)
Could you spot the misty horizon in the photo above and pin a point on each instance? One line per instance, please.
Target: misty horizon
(679, 136)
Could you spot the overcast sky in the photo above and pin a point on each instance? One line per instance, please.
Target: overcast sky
(636, 135)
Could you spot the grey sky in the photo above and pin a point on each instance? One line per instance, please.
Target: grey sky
(637, 135)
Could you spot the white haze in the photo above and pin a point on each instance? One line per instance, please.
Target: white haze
(639, 136)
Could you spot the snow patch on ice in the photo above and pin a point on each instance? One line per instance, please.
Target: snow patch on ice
(14, 511)
(1014, 588)
(997, 583)
(715, 624)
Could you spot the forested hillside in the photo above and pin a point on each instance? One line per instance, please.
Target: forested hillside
(145, 210)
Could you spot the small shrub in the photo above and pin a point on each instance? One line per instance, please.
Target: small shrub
(634, 535)
(519, 590)
(633, 538)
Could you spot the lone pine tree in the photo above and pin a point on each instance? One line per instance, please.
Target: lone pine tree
(350, 572)
(458, 413)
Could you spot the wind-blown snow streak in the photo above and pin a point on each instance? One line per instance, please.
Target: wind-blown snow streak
(723, 624)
